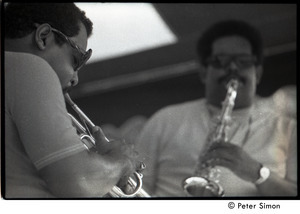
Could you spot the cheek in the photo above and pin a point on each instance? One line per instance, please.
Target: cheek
(250, 77)
(64, 72)
(213, 73)
(248, 90)
(60, 60)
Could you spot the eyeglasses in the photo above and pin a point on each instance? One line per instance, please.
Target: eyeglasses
(222, 61)
(84, 55)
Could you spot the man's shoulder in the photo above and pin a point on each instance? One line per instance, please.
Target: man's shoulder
(180, 109)
(265, 111)
(191, 104)
(27, 65)
(172, 116)
(20, 58)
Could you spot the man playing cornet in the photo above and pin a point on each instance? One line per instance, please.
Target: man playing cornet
(45, 46)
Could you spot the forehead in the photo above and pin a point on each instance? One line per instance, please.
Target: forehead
(81, 38)
(231, 45)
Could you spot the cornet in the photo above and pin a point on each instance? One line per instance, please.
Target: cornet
(205, 182)
(89, 142)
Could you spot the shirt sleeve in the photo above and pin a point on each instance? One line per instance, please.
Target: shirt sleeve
(38, 109)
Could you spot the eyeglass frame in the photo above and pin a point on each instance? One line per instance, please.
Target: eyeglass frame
(85, 55)
(231, 58)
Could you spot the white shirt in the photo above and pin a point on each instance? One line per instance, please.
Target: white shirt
(175, 136)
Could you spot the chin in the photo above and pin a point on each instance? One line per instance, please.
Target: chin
(245, 103)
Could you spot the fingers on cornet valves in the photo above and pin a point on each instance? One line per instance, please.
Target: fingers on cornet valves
(99, 135)
(141, 167)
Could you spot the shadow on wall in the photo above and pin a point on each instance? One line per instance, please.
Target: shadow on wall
(283, 101)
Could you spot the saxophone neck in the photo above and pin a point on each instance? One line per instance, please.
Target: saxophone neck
(227, 107)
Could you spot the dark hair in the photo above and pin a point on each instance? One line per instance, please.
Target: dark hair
(21, 17)
(230, 28)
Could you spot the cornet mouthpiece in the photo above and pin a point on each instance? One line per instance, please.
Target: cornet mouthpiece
(68, 99)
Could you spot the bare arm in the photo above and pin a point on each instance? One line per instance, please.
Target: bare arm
(83, 175)
(277, 186)
(245, 167)
(91, 174)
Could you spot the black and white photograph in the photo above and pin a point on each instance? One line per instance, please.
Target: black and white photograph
(111, 101)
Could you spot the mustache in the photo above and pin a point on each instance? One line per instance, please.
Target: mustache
(227, 78)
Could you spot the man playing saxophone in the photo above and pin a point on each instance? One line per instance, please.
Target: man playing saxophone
(259, 155)
(45, 47)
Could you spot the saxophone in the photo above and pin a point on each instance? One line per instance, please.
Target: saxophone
(205, 181)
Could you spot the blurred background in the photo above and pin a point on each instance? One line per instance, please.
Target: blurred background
(144, 56)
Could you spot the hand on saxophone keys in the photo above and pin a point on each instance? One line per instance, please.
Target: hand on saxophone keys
(234, 158)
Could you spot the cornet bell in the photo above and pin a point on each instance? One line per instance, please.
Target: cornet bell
(90, 143)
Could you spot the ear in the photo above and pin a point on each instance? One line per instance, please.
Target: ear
(42, 33)
(259, 72)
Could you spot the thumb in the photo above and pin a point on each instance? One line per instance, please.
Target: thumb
(99, 136)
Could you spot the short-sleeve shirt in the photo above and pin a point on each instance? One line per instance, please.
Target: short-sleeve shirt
(38, 129)
(175, 136)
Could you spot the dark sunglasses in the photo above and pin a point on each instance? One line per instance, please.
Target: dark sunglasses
(222, 61)
(84, 55)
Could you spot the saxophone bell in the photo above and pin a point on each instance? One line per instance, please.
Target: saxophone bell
(200, 186)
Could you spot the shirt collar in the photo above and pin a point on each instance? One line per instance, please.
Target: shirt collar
(238, 115)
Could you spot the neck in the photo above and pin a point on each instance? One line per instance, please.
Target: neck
(18, 45)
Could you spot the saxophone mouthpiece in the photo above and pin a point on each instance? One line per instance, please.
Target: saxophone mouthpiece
(233, 83)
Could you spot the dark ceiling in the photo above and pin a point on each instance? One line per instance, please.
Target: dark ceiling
(277, 23)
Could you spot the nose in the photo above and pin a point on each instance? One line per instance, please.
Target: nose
(74, 80)
(232, 65)
(232, 68)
